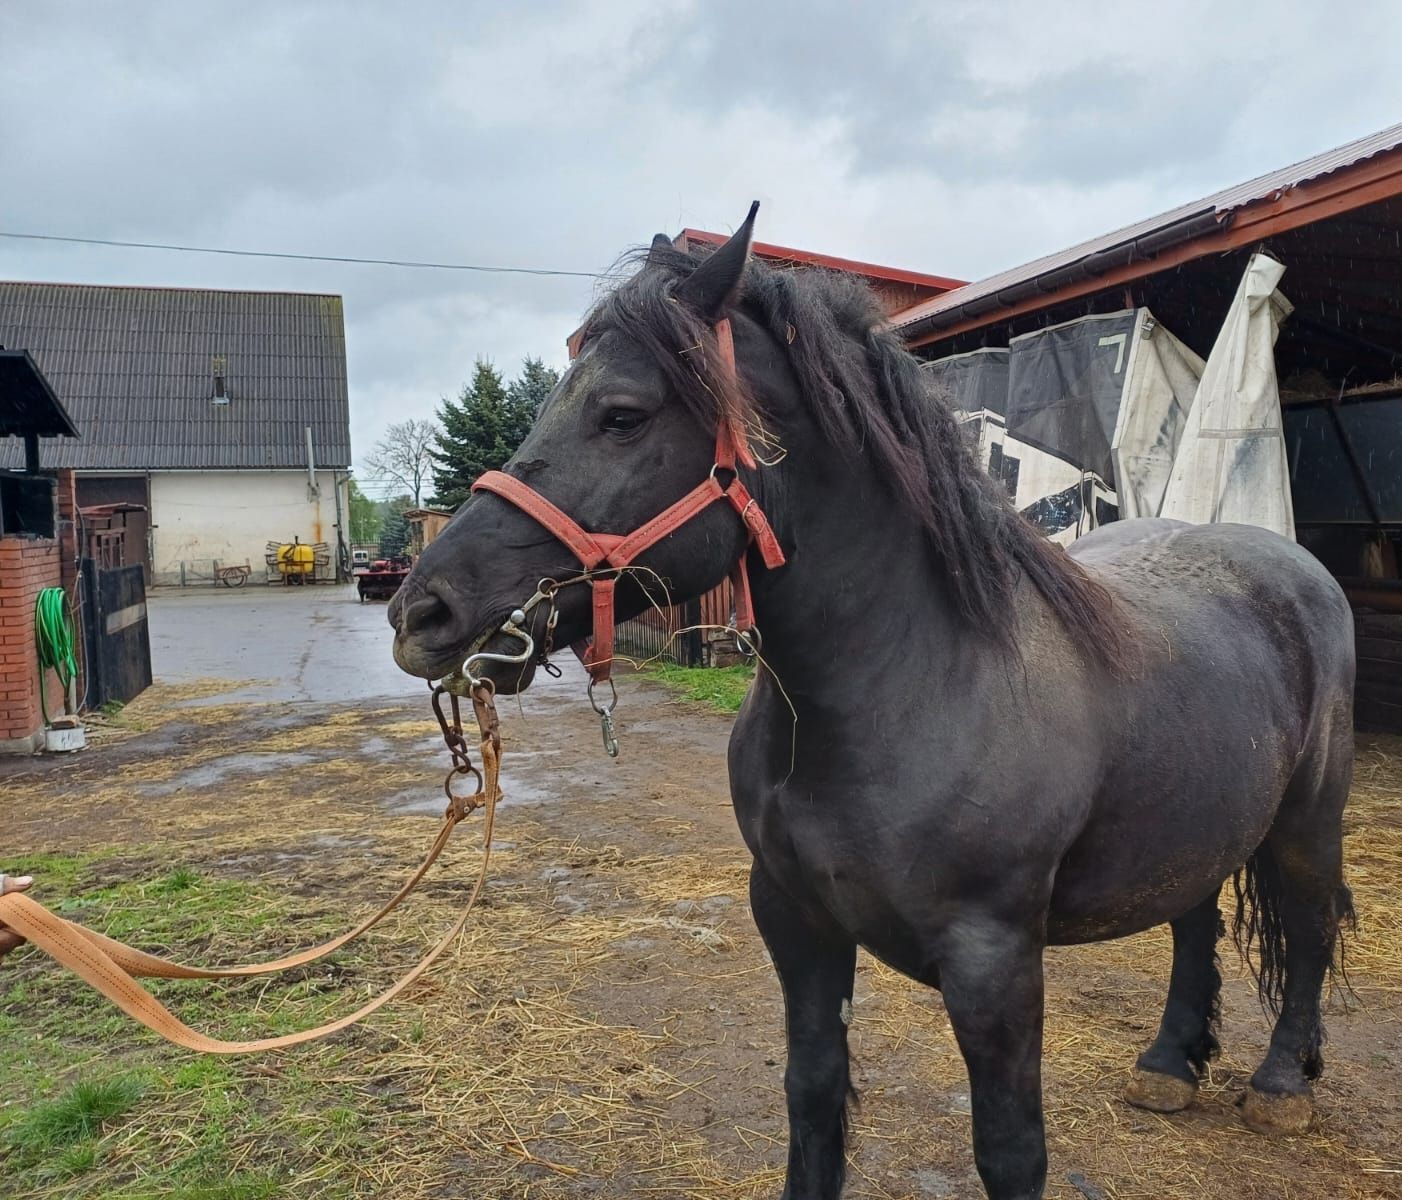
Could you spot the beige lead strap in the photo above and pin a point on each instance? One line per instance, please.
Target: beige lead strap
(111, 966)
(138, 962)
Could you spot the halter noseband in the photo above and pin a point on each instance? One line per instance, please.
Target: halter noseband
(617, 551)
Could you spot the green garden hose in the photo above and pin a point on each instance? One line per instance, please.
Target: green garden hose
(53, 636)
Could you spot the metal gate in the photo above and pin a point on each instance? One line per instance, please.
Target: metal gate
(116, 638)
(654, 636)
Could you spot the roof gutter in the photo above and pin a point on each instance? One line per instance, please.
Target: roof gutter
(1185, 229)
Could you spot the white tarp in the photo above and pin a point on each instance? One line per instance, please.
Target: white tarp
(1230, 463)
(1111, 416)
(1160, 382)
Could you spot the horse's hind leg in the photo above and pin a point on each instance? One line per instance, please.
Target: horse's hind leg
(1295, 882)
(1166, 1076)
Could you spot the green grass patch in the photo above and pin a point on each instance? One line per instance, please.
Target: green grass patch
(720, 688)
(244, 1186)
(91, 1092)
(76, 1115)
(179, 880)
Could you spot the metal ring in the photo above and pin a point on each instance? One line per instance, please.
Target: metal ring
(462, 769)
(595, 705)
(749, 641)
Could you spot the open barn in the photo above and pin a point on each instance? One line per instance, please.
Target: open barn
(1334, 221)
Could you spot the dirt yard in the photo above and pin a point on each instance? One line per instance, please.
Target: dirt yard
(608, 1026)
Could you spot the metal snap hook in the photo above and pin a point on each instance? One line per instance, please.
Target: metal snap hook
(606, 726)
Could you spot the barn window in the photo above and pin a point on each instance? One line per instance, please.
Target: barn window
(219, 369)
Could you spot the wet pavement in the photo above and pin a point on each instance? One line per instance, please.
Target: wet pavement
(302, 644)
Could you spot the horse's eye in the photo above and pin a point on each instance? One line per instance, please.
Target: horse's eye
(624, 420)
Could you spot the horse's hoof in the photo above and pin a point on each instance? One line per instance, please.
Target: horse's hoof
(1287, 1113)
(1159, 1092)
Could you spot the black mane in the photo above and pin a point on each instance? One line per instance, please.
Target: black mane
(871, 399)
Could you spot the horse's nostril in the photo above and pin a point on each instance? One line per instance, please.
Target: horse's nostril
(427, 610)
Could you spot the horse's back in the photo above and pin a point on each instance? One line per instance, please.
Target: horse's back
(1243, 576)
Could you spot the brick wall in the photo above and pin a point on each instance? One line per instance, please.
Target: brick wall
(26, 567)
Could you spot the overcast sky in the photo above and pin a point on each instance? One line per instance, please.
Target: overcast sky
(954, 138)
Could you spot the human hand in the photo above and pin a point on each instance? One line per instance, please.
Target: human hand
(9, 939)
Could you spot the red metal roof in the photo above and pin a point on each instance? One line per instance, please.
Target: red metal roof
(1042, 280)
(810, 258)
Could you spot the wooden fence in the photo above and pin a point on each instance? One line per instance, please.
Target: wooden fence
(656, 633)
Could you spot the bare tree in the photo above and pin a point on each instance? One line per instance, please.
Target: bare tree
(404, 457)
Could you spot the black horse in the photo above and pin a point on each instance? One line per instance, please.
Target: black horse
(993, 746)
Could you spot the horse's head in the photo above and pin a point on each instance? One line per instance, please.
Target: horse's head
(628, 431)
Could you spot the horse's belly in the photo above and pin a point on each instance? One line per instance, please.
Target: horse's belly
(1128, 915)
(1154, 862)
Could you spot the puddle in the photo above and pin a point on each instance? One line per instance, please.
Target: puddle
(429, 798)
(416, 800)
(231, 765)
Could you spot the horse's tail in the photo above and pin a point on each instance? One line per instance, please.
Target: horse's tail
(1257, 924)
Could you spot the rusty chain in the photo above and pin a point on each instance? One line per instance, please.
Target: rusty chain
(483, 697)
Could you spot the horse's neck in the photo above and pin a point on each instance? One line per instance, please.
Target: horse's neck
(861, 585)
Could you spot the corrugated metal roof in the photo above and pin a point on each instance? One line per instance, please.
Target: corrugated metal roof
(1193, 218)
(135, 367)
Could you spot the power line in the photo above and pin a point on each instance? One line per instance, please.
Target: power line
(331, 258)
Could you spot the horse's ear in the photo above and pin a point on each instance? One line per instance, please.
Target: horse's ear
(713, 285)
(661, 244)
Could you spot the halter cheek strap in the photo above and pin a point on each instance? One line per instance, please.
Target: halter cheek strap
(612, 550)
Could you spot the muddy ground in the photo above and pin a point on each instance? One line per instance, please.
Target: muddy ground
(609, 1026)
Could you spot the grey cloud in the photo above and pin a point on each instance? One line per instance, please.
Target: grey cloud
(957, 138)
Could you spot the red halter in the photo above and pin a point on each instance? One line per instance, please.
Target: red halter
(619, 550)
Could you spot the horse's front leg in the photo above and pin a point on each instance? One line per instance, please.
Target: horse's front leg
(815, 965)
(991, 976)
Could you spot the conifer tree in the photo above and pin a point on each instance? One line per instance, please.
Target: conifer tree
(482, 428)
(394, 533)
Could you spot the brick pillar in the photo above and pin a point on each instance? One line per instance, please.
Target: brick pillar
(27, 565)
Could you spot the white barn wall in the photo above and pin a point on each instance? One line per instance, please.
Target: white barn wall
(203, 517)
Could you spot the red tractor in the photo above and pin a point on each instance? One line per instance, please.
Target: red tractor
(383, 578)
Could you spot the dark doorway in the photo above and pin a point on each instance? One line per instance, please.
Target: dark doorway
(123, 489)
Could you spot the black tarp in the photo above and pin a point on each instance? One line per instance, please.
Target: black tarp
(1064, 389)
(976, 382)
